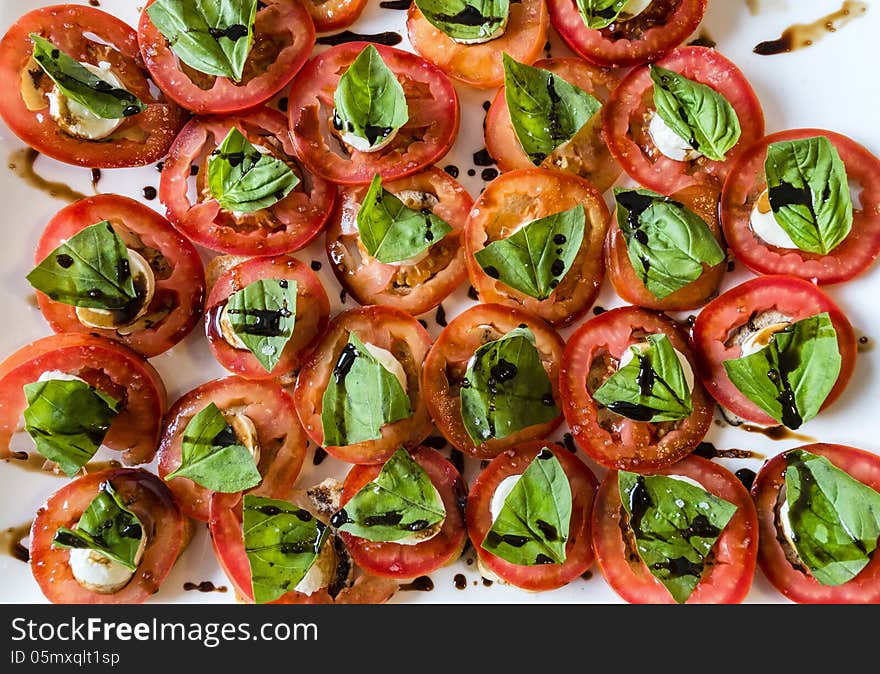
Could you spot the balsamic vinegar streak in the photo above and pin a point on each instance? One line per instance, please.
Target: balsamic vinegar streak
(388, 38)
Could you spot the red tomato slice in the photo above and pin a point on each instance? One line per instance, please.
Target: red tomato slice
(177, 268)
(424, 139)
(745, 184)
(414, 288)
(615, 441)
(328, 15)
(107, 365)
(286, 226)
(795, 583)
(578, 549)
(447, 361)
(727, 577)
(716, 326)
(281, 440)
(479, 65)
(167, 531)
(626, 118)
(284, 36)
(88, 35)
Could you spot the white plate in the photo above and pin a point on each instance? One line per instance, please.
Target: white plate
(829, 84)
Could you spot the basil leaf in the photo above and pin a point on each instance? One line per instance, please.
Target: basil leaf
(361, 397)
(506, 388)
(400, 503)
(791, 377)
(393, 232)
(666, 243)
(599, 14)
(369, 100)
(809, 193)
(834, 518)
(245, 180)
(537, 257)
(106, 526)
(212, 36)
(262, 315)
(651, 387)
(68, 420)
(81, 85)
(697, 113)
(213, 456)
(466, 20)
(532, 526)
(675, 525)
(282, 542)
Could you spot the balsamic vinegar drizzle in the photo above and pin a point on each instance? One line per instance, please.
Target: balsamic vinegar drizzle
(421, 584)
(21, 163)
(204, 586)
(802, 35)
(388, 38)
(395, 4)
(10, 542)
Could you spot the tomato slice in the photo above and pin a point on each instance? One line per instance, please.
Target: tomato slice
(91, 36)
(717, 325)
(745, 184)
(424, 139)
(286, 226)
(524, 195)
(447, 363)
(280, 439)
(591, 356)
(578, 549)
(107, 365)
(479, 65)
(414, 288)
(328, 15)
(729, 571)
(796, 584)
(284, 36)
(167, 531)
(662, 27)
(626, 118)
(387, 328)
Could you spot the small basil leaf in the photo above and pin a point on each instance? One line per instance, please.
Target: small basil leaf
(361, 397)
(675, 524)
(599, 14)
(466, 20)
(667, 244)
(393, 232)
(537, 257)
(532, 526)
(834, 518)
(809, 193)
(262, 315)
(791, 377)
(212, 455)
(212, 36)
(400, 503)
(68, 420)
(697, 113)
(282, 542)
(506, 388)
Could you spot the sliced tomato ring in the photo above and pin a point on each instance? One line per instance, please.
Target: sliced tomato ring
(330, 15)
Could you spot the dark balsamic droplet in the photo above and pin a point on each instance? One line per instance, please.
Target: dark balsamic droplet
(472, 294)
(491, 271)
(282, 104)
(320, 455)
(746, 476)
(483, 158)
(488, 174)
(149, 192)
(316, 265)
(339, 518)
(598, 310)
(460, 581)
(440, 316)
(452, 170)
(471, 172)
(64, 260)
(421, 584)
(558, 267)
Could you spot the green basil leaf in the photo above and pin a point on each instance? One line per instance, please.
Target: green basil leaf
(245, 180)
(369, 100)
(213, 456)
(809, 193)
(651, 387)
(400, 503)
(361, 397)
(599, 14)
(506, 388)
(791, 377)
(79, 84)
(532, 526)
(393, 232)
(466, 20)
(282, 542)
(106, 526)
(545, 110)
(697, 113)
(262, 315)
(212, 36)
(68, 420)
(675, 525)
(535, 258)
(834, 518)
(667, 244)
